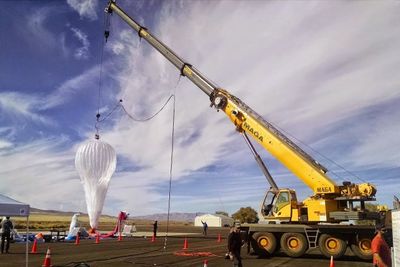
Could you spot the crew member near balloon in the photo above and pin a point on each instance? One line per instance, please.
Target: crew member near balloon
(205, 227)
(155, 226)
(6, 227)
(380, 249)
(234, 245)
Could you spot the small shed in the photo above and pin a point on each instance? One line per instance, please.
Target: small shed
(213, 220)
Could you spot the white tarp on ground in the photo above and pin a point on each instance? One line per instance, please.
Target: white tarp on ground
(11, 207)
(213, 220)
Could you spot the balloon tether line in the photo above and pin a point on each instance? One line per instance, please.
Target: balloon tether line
(170, 172)
(172, 96)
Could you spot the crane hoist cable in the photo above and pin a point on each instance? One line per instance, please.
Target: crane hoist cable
(321, 155)
(107, 26)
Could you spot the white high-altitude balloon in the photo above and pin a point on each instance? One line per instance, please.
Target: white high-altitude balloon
(95, 162)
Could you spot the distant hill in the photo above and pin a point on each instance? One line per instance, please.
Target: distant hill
(175, 216)
(35, 210)
(62, 213)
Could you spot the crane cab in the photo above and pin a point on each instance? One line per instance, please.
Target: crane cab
(280, 206)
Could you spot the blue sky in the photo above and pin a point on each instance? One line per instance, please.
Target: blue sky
(325, 72)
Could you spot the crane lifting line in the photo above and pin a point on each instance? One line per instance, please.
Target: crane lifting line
(172, 96)
(107, 25)
(170, 169)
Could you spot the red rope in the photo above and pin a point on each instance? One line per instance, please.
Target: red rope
(196, 254)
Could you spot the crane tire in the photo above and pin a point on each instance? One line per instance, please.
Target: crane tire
(264, 243)
(362, 248)
(332, 245)
(294, 244)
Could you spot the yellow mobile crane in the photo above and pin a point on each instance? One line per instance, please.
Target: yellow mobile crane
(315, 222)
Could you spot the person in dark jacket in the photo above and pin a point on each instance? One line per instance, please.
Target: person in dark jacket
(205, 227)
(7, 227)
(234, 246)
(155, 226)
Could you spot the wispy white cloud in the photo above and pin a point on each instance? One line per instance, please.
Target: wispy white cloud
(83, 51)
(36, 26)
(380, 143)
(85, 8)
(309, 68)
(71, 87)
(119, 45)
(5, 144)
(41, 166)
(47, 165)
(30, 105)
(325, 72)
(23, 106)
(7, 132)
(63, 45)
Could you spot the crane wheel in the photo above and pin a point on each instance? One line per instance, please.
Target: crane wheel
(331, 245)
(264, 244)
(362, 248)
(294, 244)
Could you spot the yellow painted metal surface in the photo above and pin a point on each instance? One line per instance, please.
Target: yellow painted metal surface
(143, 33)
(187, 71)
(283, 212)
(291, 159)
(295, 215)
(318, 209)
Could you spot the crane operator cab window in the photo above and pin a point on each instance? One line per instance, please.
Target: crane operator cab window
(278, 205)
(268, 203)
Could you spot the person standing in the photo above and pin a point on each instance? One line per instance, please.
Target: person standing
(234, 246)
(7, 227)
(155, 226)
(380, 250)
(205, 227)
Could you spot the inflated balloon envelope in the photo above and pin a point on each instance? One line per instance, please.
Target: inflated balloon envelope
(95, 162)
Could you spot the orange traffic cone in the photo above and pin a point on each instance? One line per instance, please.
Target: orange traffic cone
(119, 236)
(205, 263)
(77, 240)
(185, 244)
(153, 238)
(332, 264)
(34, 247)
(47, 260)
(97, 238)
(219, 238)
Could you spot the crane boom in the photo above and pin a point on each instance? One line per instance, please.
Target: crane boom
(186, 69)
(312, 173)
(285, 220)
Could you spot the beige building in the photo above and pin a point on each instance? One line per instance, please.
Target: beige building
(213, 220)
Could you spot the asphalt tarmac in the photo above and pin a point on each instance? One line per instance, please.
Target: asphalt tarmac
(140, 251)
